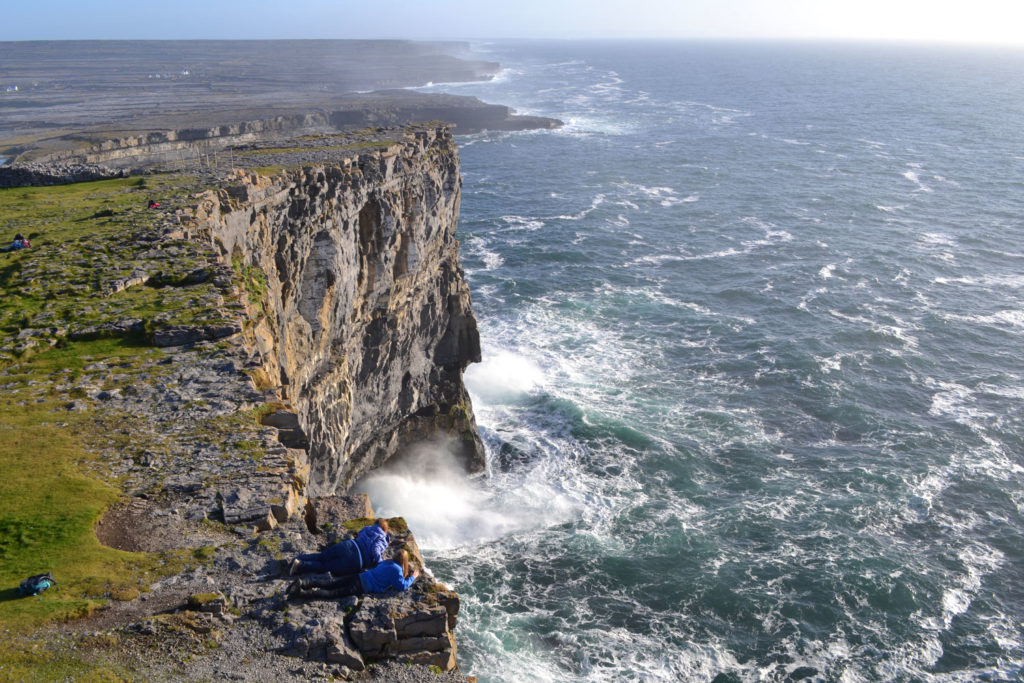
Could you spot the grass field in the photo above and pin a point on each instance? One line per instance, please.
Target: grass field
(82, 235)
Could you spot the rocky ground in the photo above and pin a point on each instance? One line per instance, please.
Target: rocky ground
(228, 618)
(67, 86)
(209, 460)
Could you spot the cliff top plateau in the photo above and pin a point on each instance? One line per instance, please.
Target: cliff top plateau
(195, 366)
(56, 95)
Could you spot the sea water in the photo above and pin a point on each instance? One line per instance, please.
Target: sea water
(752, 327)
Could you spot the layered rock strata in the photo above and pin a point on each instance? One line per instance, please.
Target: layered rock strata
(195, 141)
(363, 316)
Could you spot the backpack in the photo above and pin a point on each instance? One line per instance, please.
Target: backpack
(34, 585)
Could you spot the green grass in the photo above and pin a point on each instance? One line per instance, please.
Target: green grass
(85, 237)
(83, 240)
(51, 505)
(30, 660)
(268, 171)
(253, 281)
(52, 484)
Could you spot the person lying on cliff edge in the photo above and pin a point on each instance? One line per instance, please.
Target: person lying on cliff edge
(347, 557)
(390, 574)
(19, 242)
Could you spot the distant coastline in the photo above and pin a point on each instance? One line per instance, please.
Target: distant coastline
(59, 94)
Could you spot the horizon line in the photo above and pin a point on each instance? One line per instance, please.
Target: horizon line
(945, 42)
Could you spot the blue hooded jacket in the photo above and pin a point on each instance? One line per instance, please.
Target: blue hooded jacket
(372, 542)
(384, 577)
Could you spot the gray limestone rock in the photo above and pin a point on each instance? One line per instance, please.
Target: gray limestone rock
(368, 319)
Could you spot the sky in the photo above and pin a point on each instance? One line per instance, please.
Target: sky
(962, 21)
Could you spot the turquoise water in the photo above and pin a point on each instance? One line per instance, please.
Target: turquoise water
(752, 394)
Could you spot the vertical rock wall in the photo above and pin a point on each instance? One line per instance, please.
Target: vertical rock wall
(358, 302)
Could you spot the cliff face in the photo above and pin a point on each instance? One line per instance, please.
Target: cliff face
(359, 308)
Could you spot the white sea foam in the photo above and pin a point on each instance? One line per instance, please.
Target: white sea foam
(721, 116)
(502, 76)
(912, 176)
(478, 247)
(833, 363)
(1009, 318)
(655, 260)
(978, 561)
(523, 223)
(597, 201)
(665, 196)
(1014, 281)
(590, 125)
(899, 332)
(428, 487)
(826, 272)
(723, 253)
(503, 374)
(939, 238)
(873, 144)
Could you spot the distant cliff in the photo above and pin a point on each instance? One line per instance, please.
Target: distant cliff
(200, 140)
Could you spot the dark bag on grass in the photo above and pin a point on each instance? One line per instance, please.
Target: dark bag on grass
(34, 585)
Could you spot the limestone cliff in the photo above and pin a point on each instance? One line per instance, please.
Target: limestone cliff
(363, 316)
(224, 362)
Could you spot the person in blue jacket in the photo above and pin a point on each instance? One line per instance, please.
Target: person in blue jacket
(20, 242)
(347, 557)
(390, 574)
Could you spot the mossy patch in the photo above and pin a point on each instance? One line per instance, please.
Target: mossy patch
(252, 280)
(97, 267)
(205, 554)
(357, 524)
(27, 658)
(198, 600)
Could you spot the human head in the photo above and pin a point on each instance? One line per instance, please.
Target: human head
(402, 558)
(383, 524)
(18, 237)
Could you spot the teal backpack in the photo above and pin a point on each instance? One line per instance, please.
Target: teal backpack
(34, 585)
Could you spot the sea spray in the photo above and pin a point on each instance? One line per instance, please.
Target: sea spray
(503, 375)
(429, 487)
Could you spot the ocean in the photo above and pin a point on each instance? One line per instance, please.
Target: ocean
(752, 326)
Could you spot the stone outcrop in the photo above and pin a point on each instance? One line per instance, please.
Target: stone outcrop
(363, 319)
(416, 626)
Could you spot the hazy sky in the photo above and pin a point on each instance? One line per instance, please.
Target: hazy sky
(984, 21)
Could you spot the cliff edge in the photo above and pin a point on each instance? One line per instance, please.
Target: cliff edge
(197, 367)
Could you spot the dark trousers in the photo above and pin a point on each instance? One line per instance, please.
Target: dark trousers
(341, 558)
(324, 589)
